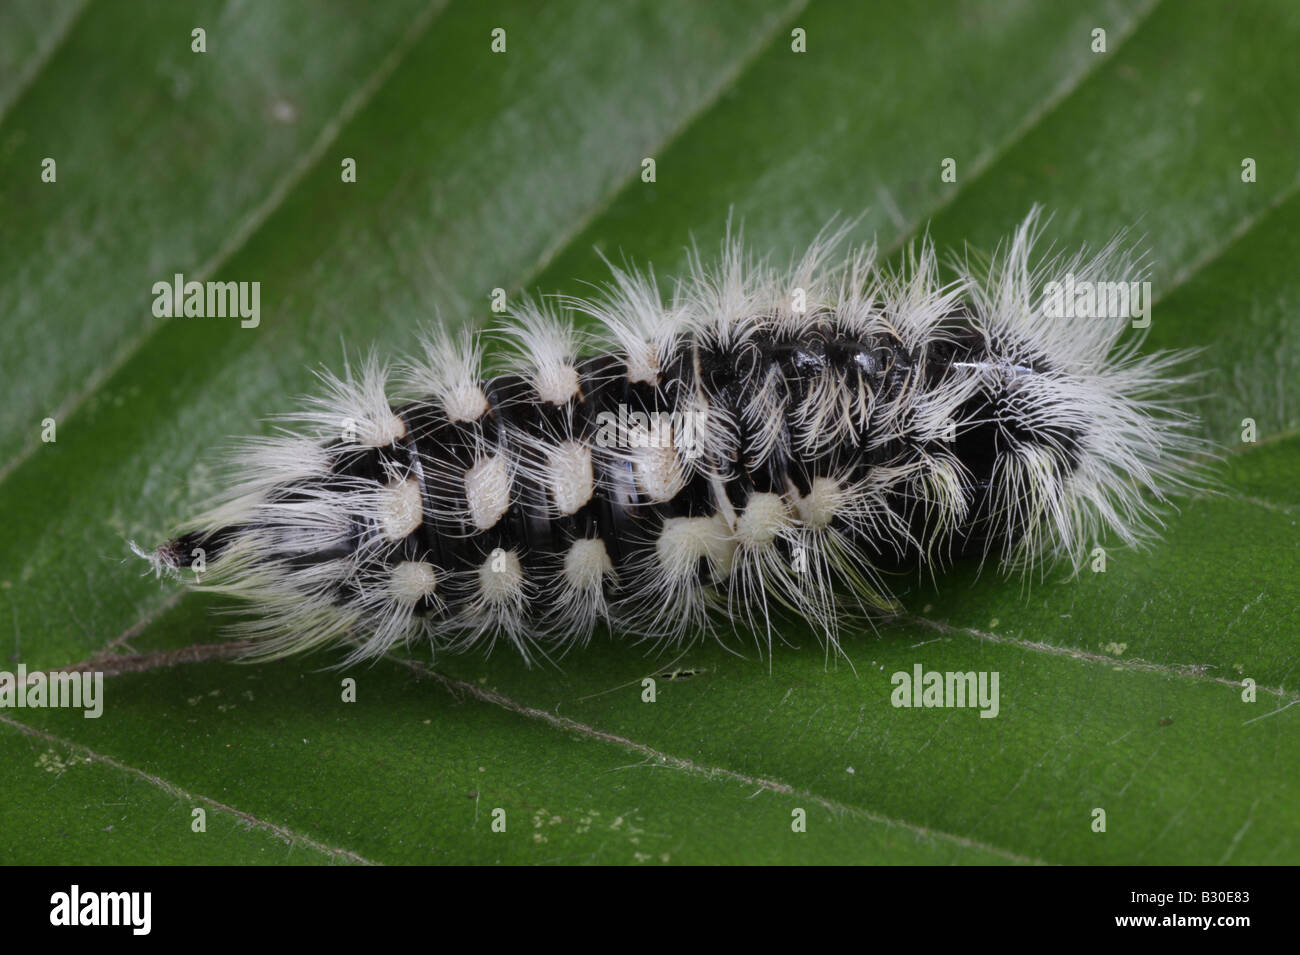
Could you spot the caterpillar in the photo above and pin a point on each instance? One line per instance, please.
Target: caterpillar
(760, 442)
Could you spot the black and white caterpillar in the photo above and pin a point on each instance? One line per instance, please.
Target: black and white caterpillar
(764, 440)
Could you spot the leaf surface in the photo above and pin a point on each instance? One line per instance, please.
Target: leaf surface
(1120, 690)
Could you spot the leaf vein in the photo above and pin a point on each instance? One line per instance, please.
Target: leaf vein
(1193, 671)
(251, 223)
(691, 767)
(37, 63)
(287, 835)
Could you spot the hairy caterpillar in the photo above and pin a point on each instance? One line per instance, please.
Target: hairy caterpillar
(762, 440)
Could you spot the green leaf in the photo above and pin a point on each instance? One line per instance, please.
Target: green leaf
(1120, 690)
